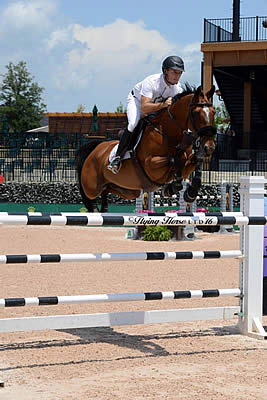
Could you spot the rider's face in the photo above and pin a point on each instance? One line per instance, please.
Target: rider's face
(173, 75)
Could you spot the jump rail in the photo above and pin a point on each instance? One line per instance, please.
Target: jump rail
(93, 257)
(111, 298)
(162, 214)
(90, 219)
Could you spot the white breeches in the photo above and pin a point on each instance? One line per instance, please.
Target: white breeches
(133, 111)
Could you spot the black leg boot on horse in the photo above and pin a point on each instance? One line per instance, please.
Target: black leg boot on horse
(176, 186)
(192, 190)
(115, 165)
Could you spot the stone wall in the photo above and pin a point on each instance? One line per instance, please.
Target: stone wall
(56, 193)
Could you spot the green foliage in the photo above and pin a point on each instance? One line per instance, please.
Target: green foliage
(157, 233)
(222, 116)
(20, 98)
(80, 108)
(120, 108)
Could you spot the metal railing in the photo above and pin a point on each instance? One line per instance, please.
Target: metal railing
(221, 30)
(44, 140)
(58, 166)
(39, 163)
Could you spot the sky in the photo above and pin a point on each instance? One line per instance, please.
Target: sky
(93, 52)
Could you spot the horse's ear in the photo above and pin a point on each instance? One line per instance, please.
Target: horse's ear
(210, 93)
(197, 93)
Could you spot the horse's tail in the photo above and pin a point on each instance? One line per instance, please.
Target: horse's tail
(80, 157)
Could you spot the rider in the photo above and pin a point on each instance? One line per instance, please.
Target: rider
(148, 96)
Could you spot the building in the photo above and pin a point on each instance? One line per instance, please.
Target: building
(95, 124)
(235, 54)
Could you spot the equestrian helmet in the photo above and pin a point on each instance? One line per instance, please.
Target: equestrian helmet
(173, 62)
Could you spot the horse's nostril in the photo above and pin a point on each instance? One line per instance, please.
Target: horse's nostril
(208, 149)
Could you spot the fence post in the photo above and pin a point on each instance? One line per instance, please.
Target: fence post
(251, 266)
(205, 27)
(257, 28)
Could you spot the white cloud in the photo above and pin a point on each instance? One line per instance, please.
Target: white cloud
(119, 36)
(192, 58)
(109, 54)
(29, 14)
(59, 37)
(192, 48)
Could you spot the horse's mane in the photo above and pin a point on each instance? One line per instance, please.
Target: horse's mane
(187, 89)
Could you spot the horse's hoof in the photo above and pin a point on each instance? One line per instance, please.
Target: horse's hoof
(171, 189)
(165, 192)
(189, 198)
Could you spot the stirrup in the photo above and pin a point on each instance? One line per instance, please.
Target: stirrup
(115, 165)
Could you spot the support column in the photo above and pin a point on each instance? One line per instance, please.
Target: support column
(251, 267)
(207, 71)
(247, 115)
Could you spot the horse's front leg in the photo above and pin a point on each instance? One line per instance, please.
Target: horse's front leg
(104, 201)
(192, 190)
(173, 188)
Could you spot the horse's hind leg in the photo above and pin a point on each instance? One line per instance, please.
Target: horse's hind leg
(90, 204)
(104, 201)
(91, 186)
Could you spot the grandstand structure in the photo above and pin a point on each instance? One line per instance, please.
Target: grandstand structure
(234, 53)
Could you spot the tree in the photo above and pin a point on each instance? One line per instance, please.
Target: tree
(222, 117)
(120, 109)
(80, 108)
(20, 98)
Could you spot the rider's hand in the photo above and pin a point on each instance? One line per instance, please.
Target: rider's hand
(167, 102)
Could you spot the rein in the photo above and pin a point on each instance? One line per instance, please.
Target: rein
(155, 128)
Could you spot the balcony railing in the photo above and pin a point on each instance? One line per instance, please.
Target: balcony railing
(221, 30)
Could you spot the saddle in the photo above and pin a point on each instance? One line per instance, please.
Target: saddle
(135, 140)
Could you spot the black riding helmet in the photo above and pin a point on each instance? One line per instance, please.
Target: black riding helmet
(173, 62)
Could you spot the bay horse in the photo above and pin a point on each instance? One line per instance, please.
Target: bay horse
(165, 155)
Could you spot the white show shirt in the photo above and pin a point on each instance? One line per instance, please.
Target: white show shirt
(155, 88)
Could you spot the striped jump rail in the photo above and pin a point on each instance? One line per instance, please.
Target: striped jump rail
(93, 257)
(162, 214)
(111, 298)
(91, 219)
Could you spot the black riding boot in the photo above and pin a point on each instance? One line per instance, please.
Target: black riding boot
(115, 164)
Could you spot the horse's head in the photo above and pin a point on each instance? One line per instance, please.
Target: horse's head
(201, 119)
(192, 110)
